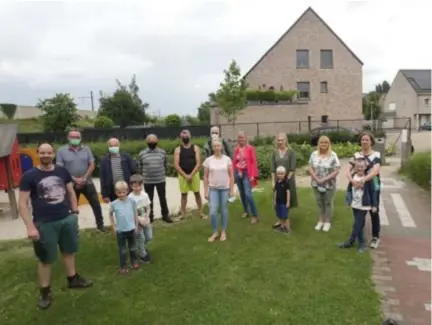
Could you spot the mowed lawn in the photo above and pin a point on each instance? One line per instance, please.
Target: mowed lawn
(257, 277)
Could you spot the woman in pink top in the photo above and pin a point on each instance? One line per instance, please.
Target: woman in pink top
(245, 175)
(218, 187)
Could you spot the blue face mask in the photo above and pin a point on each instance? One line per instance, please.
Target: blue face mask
(114, 150)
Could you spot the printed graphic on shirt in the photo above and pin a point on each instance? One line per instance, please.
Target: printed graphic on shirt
(51, 189)
(142, 201)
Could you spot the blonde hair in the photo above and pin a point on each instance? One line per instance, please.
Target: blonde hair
(329, 149)
(121, 186)
(280, 169)
(216, 140)
(283, 135)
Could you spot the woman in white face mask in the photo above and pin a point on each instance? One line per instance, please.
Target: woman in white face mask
(226, 147)
(114, 167)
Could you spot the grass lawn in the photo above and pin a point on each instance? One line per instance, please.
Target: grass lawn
(32, 125)
(257, 277)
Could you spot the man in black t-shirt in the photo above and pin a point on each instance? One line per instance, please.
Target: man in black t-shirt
(55, 222)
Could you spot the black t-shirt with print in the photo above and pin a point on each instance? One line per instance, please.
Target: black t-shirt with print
(371, 160)
(48, 193)
(281, 189)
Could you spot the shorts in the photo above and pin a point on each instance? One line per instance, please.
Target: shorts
(192, 186)
(63, 233)
(281, 211)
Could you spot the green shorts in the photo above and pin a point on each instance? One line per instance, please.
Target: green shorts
(63, 233)
(192, 186)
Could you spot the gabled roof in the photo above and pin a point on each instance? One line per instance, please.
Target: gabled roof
(309, 9)
(420, 80)
(8, 133)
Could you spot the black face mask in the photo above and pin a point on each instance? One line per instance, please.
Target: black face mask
(185, 140)
(152, 145)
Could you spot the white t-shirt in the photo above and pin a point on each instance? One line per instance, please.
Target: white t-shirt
(218, 171)
(357, 196)
(142, 202)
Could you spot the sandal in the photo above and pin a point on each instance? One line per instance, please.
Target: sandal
(213, 237)
(223, 237)
(203, 216)
(254, 220)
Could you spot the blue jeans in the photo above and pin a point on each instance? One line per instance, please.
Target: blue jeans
(126, 240)
(358, 226)
(245, 190)
(218, 198)
(143, 236)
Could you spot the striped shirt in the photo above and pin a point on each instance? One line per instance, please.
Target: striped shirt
(153, 164)
(116, 168)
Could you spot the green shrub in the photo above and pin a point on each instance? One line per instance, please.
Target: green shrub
(103, 122)
(419, 169)
(264, 152)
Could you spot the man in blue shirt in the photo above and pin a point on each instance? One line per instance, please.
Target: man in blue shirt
(50, 190)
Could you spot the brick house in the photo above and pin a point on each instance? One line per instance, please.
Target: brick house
(312, 59)
(409, 96)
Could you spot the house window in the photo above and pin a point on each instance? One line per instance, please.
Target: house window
(324, 89)
(427, 101)
(324, 118)
(303, 88)
(392, 107)
(302, 57)
(326, 59)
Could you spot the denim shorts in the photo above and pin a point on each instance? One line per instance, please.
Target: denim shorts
(281, 211)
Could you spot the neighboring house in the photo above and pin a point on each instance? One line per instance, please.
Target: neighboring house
(312, 59)
(409, 96)
(24, 112)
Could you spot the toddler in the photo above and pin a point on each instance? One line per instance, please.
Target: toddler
(362, 200)
(144, 230)
(282, 199)
(124, 220)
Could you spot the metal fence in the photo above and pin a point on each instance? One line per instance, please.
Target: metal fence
(96, 135)
(264, 129)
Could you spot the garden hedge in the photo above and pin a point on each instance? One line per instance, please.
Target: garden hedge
(419, 169)
(263, 151)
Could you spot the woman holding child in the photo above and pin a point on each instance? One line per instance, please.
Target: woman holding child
(324, 167)
(218, 187)
(245, 175)
(373, 163)
(286, 157)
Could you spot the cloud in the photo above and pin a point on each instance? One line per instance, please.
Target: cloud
(178, 49)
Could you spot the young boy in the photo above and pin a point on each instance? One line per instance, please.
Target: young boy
(282, 199)
(362, 200)
(124, 220)
(144, 231)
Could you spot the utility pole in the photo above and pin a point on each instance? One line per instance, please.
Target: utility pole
(89, 97)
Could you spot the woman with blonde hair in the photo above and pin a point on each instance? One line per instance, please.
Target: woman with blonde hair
(286, 157)
(324, 167)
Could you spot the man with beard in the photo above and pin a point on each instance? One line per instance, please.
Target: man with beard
(187, 162)
(55, 223)
(79, 162)
(153, 163)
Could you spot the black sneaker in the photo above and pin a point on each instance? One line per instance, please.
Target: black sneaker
(346, 244)
(78, 282)
(362, 249)
(167, 220)
(146, 259)
(45, 299)
(102, 229)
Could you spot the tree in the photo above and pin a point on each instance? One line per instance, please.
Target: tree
(173, 120)
(8, 110)
(231, 96)
(124, 107)
(382, 88)
(59, 112)
(371, 106)
(190, 120)
(204, 112)
(103, 122)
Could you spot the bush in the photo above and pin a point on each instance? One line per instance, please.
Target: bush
(103, 122)
(270, 95)
(419, 169)
(264, 152)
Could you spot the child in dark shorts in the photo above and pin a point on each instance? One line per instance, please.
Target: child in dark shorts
(282, 199)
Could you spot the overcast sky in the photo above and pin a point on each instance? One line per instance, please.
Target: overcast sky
(179, 48)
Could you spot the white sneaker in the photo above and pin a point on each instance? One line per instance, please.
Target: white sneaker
(375, 243)
(319, 225)
(327, 226)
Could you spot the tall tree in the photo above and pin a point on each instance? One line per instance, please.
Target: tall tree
(59, 112)
(204, 112)
(8, 110)
(371, 106)
(173, 120)
(383, 87)
(231, 95)
(124, 106)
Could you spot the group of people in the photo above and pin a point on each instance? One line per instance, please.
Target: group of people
(128, 186)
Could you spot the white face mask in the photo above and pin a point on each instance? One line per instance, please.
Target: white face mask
(215, 135)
